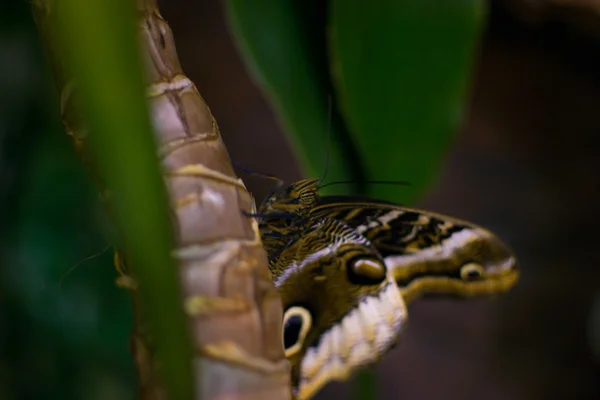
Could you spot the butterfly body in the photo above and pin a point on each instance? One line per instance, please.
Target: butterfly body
(346, 267)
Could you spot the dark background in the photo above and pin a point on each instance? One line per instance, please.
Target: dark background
(525, 164)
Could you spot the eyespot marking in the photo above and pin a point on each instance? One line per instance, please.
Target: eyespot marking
(297, 322)
(366, 270)
(472, 272)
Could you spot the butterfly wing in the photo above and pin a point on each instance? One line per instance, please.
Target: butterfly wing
(342, 309)
(392, 228)
(329, 317)
(427, 252)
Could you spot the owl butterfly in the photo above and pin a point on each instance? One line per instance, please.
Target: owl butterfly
(346, 267)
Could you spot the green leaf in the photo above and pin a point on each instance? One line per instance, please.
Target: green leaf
(401, 69)
(100, 41)
(284, 46)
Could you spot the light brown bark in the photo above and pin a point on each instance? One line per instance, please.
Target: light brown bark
(233, 309)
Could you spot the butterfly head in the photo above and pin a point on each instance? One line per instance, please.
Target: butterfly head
(342, 308)
(299, 197)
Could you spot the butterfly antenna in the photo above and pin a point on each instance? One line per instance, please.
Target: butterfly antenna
(328, 148)
(275, 189)
(254, 173)
(401, 183)
(70, 270)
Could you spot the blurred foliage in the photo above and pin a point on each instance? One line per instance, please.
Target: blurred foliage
(397, 71)
(288, 56)
(63, 334)
(101, 54)
(401, 70)
(64, 323)
(68, 337)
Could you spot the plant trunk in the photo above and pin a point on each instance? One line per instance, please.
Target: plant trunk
(234, 312)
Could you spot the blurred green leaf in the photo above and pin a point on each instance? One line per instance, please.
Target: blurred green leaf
(68, 340)
(70, 335)
(402, 69)
(102, 52)
(284, 46)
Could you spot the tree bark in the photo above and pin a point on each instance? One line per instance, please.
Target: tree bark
(234, 312)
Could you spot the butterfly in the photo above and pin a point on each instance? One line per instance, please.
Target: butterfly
(346, 268)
